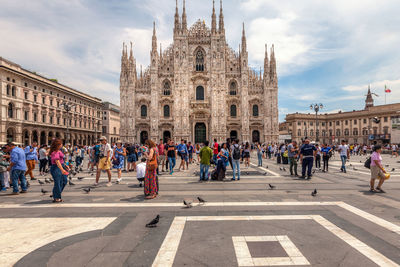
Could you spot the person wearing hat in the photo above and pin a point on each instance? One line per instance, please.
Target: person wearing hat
(104, 162)
(118, 158)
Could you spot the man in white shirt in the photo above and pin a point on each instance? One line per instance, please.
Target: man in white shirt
(344, 155)
(141, 171)
(105, 160)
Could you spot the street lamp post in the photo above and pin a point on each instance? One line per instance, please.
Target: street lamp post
(316, 108)
(68, 108)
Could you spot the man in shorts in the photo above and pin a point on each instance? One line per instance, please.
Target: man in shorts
(183, 152)
(105, 161)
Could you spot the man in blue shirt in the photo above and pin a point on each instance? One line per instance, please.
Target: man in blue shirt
(307, 153)
(31, 159)
(183, 152)
(325, 150)
(17, 167)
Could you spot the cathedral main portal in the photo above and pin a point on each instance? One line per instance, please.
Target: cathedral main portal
(200, 133)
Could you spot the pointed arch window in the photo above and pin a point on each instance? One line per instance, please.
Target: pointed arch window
(167, 88)
(255, 111)
(167, 112)
(233, 111)
(233, 88)
(143, 111)
(199, 60)
(200, 93)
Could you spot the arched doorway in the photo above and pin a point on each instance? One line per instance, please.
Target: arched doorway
(51, 136)
(143, 137)
(166, 136)
(10, 135)
(25, 137)
(233, 135)
(42, 138)
(35, 137)
(200, 133)
(256, 136)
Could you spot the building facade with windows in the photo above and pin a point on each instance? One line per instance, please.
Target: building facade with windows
(199, 89)
(111, 122)
(32, 109)
(357, 126)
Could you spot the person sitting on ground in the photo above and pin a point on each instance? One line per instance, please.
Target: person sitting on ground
(141, 171)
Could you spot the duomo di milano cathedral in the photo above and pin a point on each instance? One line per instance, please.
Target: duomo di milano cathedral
(199, 89)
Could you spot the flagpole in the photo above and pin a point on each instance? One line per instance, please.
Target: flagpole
(385, 94)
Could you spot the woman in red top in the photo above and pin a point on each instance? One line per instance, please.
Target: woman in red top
(57, 170)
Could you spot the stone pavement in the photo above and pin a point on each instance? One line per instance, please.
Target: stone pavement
(243, 223)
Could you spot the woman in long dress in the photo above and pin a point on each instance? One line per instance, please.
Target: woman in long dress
(150, 179)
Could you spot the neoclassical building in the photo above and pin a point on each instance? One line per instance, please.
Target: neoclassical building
(32, 109)
(199, 89)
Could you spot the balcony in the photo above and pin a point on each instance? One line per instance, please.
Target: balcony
(200, 105)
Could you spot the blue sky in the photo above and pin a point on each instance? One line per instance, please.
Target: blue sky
(326, 52)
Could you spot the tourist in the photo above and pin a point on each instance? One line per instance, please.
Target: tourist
(198, 152)
(183, 153)
(42, 160)
(318, 157)
(307, 153)
(150, 180)
(141, 171)
(344, 155)
(17, 167)
(205, 156)
(104, 162)
(161, 155)
(394, 150)
(215, 151)
(132, 157)
(171, 154)
(222, 162)
(96, 153)
(246, 155)
(4, 163)
(259, 154)
(190, 149)
(326, 154)
(119, 154)
(293, 153)
(377, 170)
(58, 171)
(31, 159)
(236, 152)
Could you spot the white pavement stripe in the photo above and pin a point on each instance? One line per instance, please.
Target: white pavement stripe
(267, 170)
(167, 252)
(15, 244)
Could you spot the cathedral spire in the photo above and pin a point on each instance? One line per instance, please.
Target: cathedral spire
(272, 66)
(266, 64)
(244, 41)
(184, 18)
(177, 25)
(160, 50)
(213, 20)
(221, 20)
(154, 39)
(369, 101)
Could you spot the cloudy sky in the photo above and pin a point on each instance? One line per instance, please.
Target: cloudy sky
(327, 51)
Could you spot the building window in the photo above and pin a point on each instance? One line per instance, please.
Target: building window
(51, 119)
(44, 100)
(365, 120)
(115, 130)
(35, 116)
(13, 91)
(346, 122)
(311, 123)
(34, 87)
(26, 115)
(199, 60)
(166, 111)
(337, 123)
(330, 123)
(8, 89)
(330, 132)
(375, 130)
(233, 111)
(35, 98)
(355, 132)
(323, 133)
(200, 93)
(43, 90)
(58, 120)
(26, 95)
(58, 104)
(305, 133)
(51, 102)
(355, 121)
(298, 132)
(323, 124)
(44, 118)
(143, 111)
(233, 88)
(299, 123)
(385, 119)
(167, 88)
(8, 78)
(65, 121)
(255, 111)
(312, 133)
(104, 129)
(10, 110)
(346, 132)
(337, 132)
(80, 124)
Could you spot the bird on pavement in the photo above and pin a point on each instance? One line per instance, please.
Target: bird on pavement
(81, 178)
(266, 166)
(280, 169)
(70, 183)
(43, 191)
(87, 190)
(271, 187)
(247, 173)
(314, 193)
(40, 182)
(284, 169)
(153, 222)
(51, 179)
(92, 174)
(265, 173)
(47, 181)
(187, 204)
(354, 168)
(351, 165)
(201, 200)
(313, 171)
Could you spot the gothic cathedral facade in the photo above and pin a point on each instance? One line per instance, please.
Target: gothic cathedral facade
(199, 89)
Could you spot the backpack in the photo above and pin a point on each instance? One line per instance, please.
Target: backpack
(367, 163)
(236, 153)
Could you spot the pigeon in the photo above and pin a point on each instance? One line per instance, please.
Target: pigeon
(351, 165)
(247, 173)
(313, 171)
(266, 167)
(81, 178)
(280, 169)
(393, 169)
(47, 181)
(201, 200)
(360, 161)
(87, 190)
(43, 191)
(354, 168)
(284, 169)
(265, 173)
(386, 165)
(272, 187)
(92, 174)
(154, 222)
(40, 182)
(70, 183)
(187, 204)
(314, 193)
(51, 180)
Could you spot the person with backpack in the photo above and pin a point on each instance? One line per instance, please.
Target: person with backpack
(236, 153)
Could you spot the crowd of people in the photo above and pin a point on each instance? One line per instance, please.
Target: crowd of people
(150, 160)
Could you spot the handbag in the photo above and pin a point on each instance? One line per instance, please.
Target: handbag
(115, 161)
(367, 163)
(152, 164)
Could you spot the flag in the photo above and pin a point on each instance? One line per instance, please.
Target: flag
(387, 90)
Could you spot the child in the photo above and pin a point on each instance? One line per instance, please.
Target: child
(141, 171)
